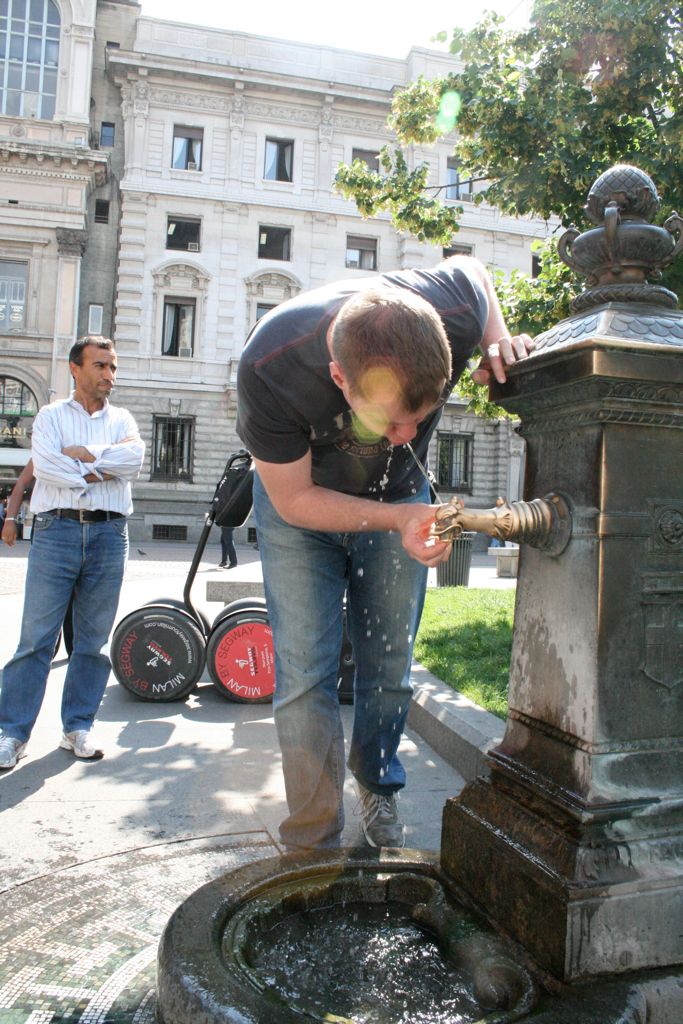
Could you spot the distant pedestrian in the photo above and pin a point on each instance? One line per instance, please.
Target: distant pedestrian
(85, 453)
(10, 535)
(10, 530)
(228, 553)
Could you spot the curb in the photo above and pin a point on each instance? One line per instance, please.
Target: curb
(456, 728)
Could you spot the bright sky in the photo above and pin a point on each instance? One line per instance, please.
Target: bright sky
(370, 26)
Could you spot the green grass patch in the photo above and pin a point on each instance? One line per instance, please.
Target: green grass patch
(465, 639)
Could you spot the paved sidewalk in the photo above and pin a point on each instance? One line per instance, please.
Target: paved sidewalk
(94, 857)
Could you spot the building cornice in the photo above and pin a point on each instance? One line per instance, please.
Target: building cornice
(53, 161)
(126, 64)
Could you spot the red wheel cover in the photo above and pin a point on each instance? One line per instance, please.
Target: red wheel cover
(244, 662)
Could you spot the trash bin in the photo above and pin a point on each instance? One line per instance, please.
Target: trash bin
(455, 572)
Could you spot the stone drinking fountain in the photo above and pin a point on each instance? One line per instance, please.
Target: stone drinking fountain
(557, 896)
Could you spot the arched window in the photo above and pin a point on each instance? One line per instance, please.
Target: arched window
(29, 55)
(16, 398)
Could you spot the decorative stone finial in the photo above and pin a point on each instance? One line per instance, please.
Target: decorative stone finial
(625, 251)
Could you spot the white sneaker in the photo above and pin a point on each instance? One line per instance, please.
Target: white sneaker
(81, 744)
(11, 750)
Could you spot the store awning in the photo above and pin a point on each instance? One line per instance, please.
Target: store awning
(14, 456)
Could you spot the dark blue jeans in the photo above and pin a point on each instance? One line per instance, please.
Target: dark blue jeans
(228, 553)
(66, 558)
(306, 574)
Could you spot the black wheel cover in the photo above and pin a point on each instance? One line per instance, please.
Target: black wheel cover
(158, 653)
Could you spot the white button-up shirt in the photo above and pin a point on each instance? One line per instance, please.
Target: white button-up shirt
(60, 480)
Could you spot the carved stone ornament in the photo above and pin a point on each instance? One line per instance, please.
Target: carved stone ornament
(625, 251)
(71, 241)
(662, 601)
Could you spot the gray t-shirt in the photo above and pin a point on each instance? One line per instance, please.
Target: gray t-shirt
(288, 403)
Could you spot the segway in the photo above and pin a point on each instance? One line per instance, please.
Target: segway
(158, 652)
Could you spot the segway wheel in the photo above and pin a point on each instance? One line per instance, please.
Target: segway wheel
(158, 653)
(240, 657)
(172, 602)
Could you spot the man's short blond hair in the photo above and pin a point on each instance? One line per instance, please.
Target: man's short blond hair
(393, 328)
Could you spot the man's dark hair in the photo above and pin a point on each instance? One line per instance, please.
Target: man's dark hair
(394, 328)
(76, 353)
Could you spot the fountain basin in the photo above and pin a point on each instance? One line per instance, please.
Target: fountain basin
(352, 936)
(228, 954)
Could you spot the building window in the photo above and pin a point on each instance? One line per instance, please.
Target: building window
(107, 133)
(187, 148)
(182, 233)
(454, 461)
(279, 160)
(274, 243)
(95, 318)
(13, 278)
(178, 336)
(457, 188)
(457, 250)
(165, 531)
(361, 253)
(101, 211)
(370, 157)
(29, 55)
(172, 448)
(264, 307)
(16, 399)
(536, 265)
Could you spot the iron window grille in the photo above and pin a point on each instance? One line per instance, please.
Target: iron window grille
(454, 456)
(168, 531)
(172, 448)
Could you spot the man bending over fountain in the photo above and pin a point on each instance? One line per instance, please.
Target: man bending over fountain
(337, 388)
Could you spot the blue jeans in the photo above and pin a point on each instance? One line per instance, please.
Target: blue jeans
(65, 558)
(306, 574)
(228, 553)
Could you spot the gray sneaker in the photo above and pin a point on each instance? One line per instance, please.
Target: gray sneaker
(81, 744)
(380, 824)
(11, 750)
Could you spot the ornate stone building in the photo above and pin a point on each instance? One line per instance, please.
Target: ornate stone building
(47, 172)
(209, 200)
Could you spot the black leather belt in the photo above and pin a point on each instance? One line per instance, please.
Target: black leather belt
(85, 515)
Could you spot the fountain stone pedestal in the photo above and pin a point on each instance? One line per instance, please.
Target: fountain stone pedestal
(573, 847)
(578, 831)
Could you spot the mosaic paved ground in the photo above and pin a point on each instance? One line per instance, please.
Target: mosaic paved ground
(79, 946)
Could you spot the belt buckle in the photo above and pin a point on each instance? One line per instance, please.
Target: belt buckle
(82, 513)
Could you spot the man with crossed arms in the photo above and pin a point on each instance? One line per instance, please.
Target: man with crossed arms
(85, 453)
